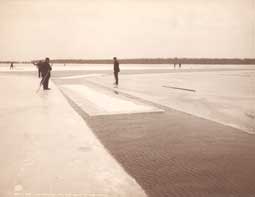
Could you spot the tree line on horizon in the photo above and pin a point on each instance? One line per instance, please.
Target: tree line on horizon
(147, 61)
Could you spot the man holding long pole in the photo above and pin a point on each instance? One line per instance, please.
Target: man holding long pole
(45, 70)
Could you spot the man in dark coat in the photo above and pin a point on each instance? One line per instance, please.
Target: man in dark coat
(45, 69)
(116, 70)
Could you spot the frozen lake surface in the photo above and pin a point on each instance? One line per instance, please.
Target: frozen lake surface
(222, 93)
(227, 97)
(61, 67)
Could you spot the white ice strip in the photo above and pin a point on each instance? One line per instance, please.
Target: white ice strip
(96, 102)
(80, 76)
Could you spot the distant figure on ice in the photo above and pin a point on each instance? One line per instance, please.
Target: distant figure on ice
(176, 61)
(38, 65)
(11, 66)
(116, 70)
(45, 70)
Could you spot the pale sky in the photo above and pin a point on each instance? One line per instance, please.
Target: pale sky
(31, 29)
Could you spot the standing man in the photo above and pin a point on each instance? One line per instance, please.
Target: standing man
(45, 69)
(116, 70)
(38, 65)
(175, 61)
(11, 66)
